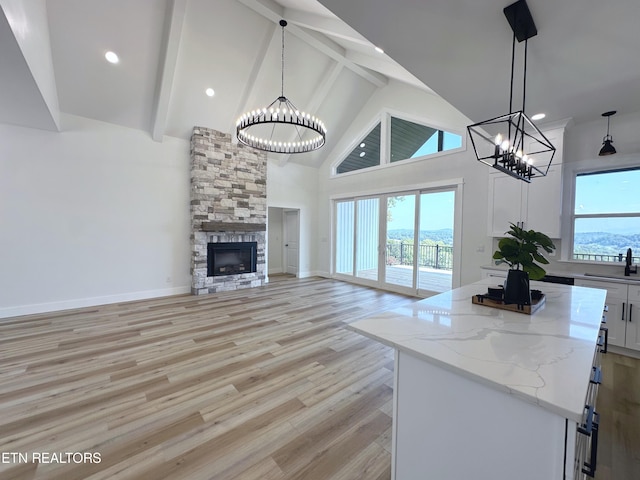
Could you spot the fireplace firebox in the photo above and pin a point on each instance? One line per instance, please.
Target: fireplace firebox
(231, 258)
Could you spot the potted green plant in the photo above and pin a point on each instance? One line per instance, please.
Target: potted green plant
(521, 251)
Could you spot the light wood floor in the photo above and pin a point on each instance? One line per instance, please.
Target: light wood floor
(619, 408)
(261, 384)
(264, 383)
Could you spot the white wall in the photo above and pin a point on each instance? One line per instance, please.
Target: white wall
(583, 141)
(95, 214)
(582, 144)
(100, 213)
(296, 186)
(434, 111)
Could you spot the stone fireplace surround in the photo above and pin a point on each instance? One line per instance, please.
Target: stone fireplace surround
(228, 204)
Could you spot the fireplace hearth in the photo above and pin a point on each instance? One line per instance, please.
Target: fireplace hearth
(231, 258)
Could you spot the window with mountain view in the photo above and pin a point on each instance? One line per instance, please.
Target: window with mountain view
(606, 219)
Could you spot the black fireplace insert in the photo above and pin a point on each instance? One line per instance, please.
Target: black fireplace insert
(231, 258)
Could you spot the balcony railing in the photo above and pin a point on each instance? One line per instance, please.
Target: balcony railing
(434, 256)
(594, 257)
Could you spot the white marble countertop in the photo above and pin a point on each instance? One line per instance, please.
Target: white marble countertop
(544, 358)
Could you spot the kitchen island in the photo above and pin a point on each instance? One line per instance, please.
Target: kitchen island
(481, 392)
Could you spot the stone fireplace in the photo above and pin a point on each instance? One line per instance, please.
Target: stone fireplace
(228, 213)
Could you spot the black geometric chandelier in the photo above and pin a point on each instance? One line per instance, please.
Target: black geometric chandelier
(512, 143)
(280, 127)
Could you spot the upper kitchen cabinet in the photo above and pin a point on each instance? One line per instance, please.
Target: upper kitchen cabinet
(536, 205)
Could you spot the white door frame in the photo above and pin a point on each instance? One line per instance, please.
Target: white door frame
(291, 215)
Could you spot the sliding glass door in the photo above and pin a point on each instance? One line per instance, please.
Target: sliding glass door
(401, 241)
(345, 237)
(357, 249)
(435, 249)
(367, 228)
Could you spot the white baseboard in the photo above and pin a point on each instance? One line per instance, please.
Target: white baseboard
(90, 302)
(314, 273)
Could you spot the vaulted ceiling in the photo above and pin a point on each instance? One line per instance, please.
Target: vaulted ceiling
(581, 64)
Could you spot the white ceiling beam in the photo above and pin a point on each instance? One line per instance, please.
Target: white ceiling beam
(337, 53)
(384, 63)
(174, 21)
(327, 25)
(319, 96)
(274, 12)
(243, 105)
(267, 8)
(28, 93)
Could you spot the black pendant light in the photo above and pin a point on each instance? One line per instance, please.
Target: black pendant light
(512, 143)
(607, 141)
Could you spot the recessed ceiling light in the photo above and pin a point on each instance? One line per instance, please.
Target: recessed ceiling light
(210, 92)
(538, 116)
(111, 57)
(362, 154)
(362, 145)
(379, 50)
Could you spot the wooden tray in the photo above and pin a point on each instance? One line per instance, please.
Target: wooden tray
(483, 299)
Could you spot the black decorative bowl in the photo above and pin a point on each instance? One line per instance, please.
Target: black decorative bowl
(495, 293)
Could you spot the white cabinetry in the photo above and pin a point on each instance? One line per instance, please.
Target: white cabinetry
(487, 425)
(451, 427)
(632, 337)
(474, 395)
(535, 205)
(623, 316)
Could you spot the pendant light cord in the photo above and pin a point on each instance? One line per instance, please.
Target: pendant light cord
(513, 59)
(283, 23)
(524, 94)
(524, 88)
(524, 76)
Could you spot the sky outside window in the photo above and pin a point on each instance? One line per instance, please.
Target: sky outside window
(606, 215)
(612, 192)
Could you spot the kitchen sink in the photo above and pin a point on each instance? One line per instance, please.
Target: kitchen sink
(630, 278)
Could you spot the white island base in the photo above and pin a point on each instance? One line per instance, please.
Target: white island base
(486, 393)
(491, 435)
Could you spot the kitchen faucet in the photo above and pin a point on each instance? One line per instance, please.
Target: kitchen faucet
(627, 268)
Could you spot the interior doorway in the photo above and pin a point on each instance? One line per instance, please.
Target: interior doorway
(283, 241)
(291, 241)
